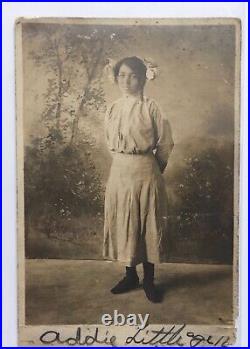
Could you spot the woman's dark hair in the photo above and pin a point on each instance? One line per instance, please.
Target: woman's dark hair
(134, 63)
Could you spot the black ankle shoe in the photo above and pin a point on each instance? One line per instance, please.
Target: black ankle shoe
(151, 292)
(125, 285)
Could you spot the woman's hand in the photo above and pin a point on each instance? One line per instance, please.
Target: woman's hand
(162, 165)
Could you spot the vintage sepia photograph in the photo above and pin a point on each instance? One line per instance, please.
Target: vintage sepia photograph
(128, 134)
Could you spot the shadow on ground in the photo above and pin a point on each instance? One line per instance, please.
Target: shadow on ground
(78, 292)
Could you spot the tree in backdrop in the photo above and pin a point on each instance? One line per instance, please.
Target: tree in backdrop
(74, 62)
(61, 181)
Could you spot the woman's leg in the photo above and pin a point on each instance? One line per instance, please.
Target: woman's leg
(148, 269)
(129, 282)
(131, 272)
(148, 283)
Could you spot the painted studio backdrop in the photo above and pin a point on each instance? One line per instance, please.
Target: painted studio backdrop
(66, 93)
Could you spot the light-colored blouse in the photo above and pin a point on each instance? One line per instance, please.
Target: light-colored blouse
(135, 125)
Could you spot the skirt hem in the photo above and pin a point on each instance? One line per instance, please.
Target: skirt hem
(134, 263)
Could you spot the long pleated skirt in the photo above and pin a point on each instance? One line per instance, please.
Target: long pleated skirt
(135, 225)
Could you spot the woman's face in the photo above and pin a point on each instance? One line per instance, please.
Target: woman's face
(128, 81)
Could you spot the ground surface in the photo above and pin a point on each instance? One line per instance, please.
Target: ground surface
(77, 292)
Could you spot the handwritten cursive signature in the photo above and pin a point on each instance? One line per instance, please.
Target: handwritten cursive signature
(171, 336)
(197, 339)
(174, 335)
(51, 337)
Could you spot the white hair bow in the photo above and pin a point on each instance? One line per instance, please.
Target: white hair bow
(152, 68)
(109, 69)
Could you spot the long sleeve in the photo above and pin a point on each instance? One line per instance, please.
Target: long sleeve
(164, 139)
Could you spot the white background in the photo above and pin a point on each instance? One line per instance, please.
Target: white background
(105, 9)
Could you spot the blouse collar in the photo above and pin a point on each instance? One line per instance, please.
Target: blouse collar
(138, 98)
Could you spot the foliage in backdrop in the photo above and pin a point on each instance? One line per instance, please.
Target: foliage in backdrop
(64, 190)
